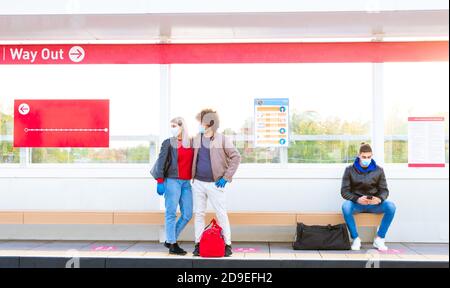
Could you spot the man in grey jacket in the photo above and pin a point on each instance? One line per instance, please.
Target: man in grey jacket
(215, 162)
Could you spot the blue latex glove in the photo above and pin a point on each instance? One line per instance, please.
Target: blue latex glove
(221, 183)
(161, 189)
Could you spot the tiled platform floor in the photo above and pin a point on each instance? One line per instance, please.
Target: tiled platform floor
(251, 255)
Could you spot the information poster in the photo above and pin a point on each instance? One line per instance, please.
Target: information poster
(61, 123)
(426, 142)
(271, 122)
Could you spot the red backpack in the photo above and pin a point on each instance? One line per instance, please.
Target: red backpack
(212, 243)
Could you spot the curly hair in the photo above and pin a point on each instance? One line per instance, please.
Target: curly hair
(210, 118)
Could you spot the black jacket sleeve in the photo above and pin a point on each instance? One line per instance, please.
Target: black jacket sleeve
(383, 191)
(346, 190)
(158, 169)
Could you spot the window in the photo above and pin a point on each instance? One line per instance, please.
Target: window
(412, 90)
(330, 105)
(229, 89)
(134, 95)
(8, 154)
(332, 112)
(118, 152)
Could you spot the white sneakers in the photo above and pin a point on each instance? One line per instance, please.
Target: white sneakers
(378, 243)
(356, 245)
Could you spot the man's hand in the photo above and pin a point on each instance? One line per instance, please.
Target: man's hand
(363, 201)
(375, 201)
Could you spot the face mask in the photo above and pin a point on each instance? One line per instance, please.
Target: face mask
(366, 162)
(174, 131)
(201, 129)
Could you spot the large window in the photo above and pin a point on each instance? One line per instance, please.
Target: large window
(412, 90)
(330, 106)
(134, 96)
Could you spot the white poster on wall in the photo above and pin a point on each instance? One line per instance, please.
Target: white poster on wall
(426, 142)
(271, 120)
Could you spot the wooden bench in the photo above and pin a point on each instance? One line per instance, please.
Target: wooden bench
(157, 218)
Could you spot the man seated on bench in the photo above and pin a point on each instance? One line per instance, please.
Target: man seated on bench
(365, 190)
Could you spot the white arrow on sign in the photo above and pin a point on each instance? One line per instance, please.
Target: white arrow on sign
(76, 54)
(24, 109)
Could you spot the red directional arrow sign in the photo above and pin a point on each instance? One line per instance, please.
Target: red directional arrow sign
(61, 123)
(224, 53)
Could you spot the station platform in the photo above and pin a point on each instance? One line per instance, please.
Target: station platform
(88, 254)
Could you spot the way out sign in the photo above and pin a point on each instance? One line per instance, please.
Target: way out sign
(41, 54)
(61, 123)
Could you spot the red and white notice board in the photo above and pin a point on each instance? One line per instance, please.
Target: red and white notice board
(426, 142)
(61, 123)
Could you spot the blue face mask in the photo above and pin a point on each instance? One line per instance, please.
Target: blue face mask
(366, 162)
(201, 129)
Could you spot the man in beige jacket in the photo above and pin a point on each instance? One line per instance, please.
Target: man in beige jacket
(215, 162)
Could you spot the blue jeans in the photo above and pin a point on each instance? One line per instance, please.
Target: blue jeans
(178, 192)
(349, 208)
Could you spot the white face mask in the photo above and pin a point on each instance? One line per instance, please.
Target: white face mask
(175, 131)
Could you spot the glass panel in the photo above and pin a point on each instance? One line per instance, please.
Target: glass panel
(133, 90)
(412, 90)
(8, 154)
(119, 152)
(325, 99)
(323, 152)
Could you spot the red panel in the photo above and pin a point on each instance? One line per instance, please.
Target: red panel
(426, 119)
(225, 53)
(308, 52)
(426, 165)
(61, 123)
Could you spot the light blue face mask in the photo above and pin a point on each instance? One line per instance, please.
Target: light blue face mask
(201, 129)
(366, 162)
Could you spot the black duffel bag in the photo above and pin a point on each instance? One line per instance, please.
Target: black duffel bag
(331, 237)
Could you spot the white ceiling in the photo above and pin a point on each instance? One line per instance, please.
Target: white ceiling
(90, 7)
(231, 27)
